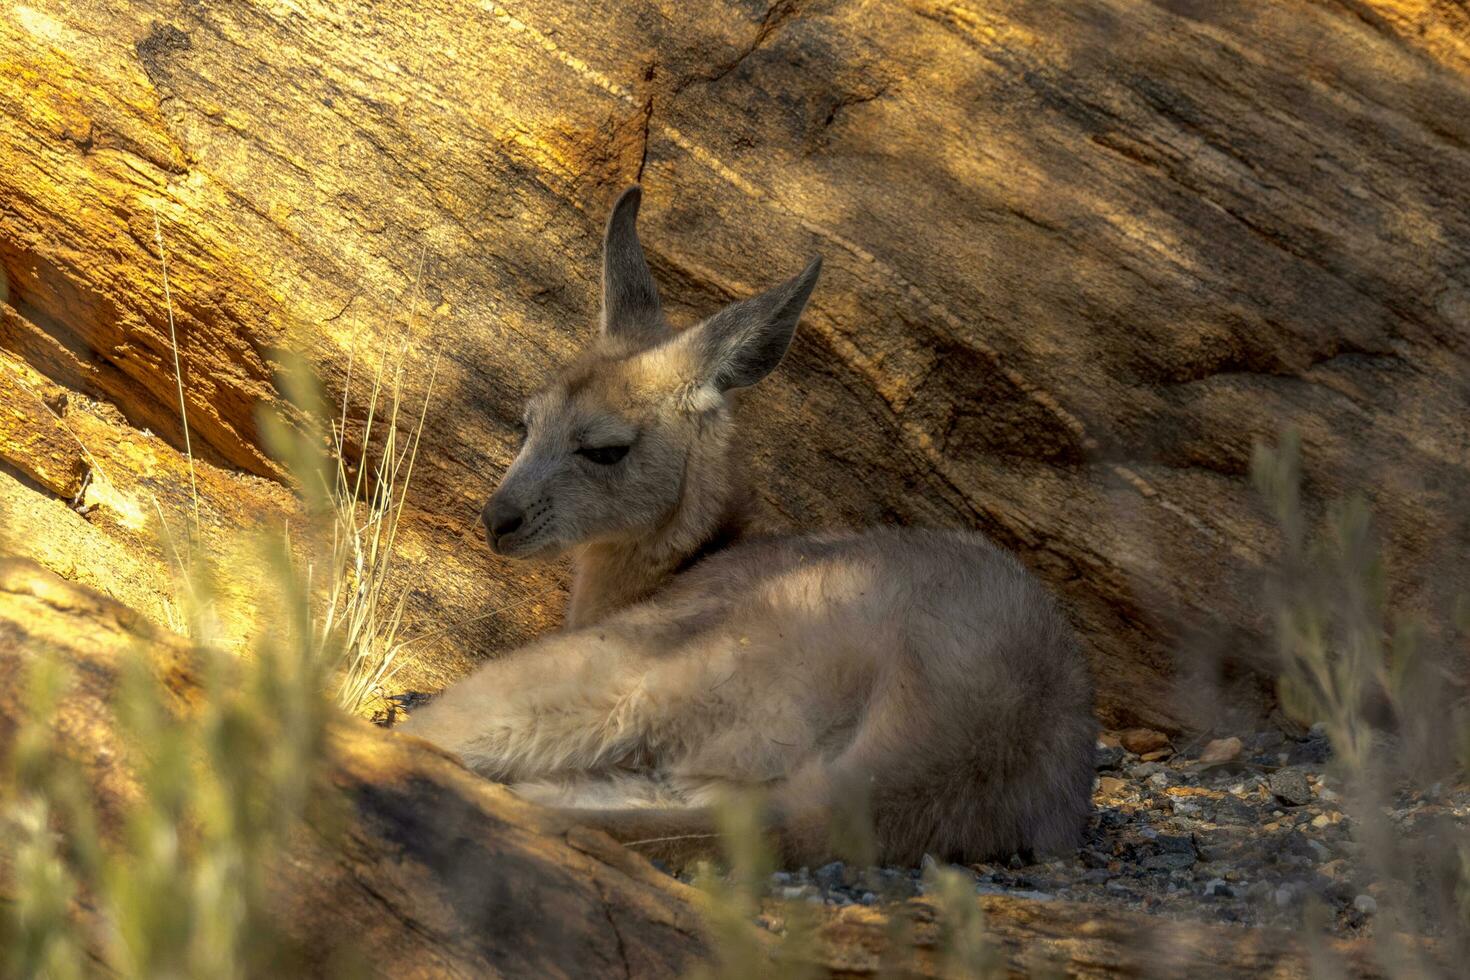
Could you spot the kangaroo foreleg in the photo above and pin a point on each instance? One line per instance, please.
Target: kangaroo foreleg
(568, 704)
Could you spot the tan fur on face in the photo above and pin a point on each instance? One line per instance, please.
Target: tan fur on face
(925, 672)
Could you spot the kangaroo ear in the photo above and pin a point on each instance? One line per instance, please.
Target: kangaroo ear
(630, 306)
(746, 340)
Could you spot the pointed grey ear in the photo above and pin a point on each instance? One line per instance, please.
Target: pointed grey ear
(630, 306)
(745, 341)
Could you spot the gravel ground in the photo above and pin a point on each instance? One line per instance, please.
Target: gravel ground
(1235, 830)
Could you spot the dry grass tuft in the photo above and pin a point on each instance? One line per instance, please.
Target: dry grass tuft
(362, 617)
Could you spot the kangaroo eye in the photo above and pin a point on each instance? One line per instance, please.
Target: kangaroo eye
(521, 430)
(603, 455)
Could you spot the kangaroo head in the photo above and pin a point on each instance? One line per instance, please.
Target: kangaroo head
(627, 434)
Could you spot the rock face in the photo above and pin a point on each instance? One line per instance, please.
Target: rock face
(1078, 257)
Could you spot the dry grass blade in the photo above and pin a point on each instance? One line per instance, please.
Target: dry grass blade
(361, 614)
(173, 339)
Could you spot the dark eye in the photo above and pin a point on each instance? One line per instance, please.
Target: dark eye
(603, 455)
(521, 431)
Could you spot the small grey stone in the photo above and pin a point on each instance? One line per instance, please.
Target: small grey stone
(1219, 888)
(1290, 787)
(1366, 904)
(928, 865)
(1285, 895)
(1168, 861)
(869, 898)
(830, 876)
(1108, 757)
(1321, 850)
(1034, 896)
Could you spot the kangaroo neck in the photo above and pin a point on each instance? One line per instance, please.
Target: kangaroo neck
(610, 576)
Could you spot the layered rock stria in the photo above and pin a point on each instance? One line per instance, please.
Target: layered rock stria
(1079, 256)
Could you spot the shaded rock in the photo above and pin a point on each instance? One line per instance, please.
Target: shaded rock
(1290, 787)
(1108, 756)
(1314, 750)
(1140, 741)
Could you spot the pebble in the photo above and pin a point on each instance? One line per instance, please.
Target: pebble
(1176, 837)
(1221, 750)
(1290, 787)
(830, 876)
(1168, 861)
(1142, 740)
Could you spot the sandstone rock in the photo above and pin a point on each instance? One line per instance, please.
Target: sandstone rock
(1142, 741)
(35, 438)
(1220, 750)
(1078, 260)
(1092, 944)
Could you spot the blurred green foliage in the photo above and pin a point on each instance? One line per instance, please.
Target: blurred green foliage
(179, 886)
(1387, 685)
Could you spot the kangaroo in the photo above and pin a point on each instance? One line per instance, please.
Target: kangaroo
(924, 673)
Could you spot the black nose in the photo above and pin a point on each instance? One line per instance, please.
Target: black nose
(502, 518)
